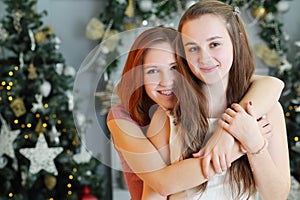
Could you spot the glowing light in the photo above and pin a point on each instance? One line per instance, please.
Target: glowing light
(26, 137)
(51, 198)
(69, 185)
(46, 118)
(59, 121)
(3, 83)
(74, 169)
(28, 125)
(16, 121)
(296, 139)
(8, 87)
(37, 115)
(10, 73)
(10, 194)
(16, 68)
(69, 192)
(10, 83)
(287, 114)
(23, 126)
(71, 177)
(290, 107)
(46, 105)
(44, 125)
(10, 98)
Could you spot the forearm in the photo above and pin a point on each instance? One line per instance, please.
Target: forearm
(264, 92)
(270, 182)
(271, 167)
(182, 175)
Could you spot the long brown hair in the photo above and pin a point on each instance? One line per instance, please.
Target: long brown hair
(131, 86)
(239, 80)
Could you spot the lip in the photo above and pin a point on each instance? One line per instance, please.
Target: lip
(208, 69)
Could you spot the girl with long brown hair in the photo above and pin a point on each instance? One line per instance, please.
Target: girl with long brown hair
(148, 79)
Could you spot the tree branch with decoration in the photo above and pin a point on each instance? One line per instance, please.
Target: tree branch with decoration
(122, 15)
(40, 149)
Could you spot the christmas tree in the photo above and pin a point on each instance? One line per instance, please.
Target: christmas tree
(42, 154)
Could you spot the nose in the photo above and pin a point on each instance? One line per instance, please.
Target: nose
(204, 57)
(167, 77)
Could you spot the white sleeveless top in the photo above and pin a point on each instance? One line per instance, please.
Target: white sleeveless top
(218, 187)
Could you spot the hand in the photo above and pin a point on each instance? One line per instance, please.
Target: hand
(243, 126)
(218, 151)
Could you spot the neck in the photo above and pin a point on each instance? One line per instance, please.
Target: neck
(216, 97)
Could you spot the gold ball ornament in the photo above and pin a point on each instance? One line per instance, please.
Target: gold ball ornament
(50, 182)
(18, 107)
(40, 37)
(259, 12)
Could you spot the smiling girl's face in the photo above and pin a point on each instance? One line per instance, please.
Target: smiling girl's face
(159, 74)
(208, 48)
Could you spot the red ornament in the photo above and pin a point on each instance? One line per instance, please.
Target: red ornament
(86, 194)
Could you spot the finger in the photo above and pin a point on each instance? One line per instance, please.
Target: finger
(224, 125)
(216, 164)
(230, 112)
(227, 118)
(199, 153)
(223, 163)
(205, 164)
(237, 107)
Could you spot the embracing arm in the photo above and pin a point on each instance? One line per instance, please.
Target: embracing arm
(144, 159)
(264, 92)
(271, 167)
(269, 163)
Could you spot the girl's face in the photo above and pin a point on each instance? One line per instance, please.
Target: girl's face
(159, 74)
(208, 48)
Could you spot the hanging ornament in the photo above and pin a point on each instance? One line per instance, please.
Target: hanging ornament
(282, 6)
(50, 182)
(259, 12)
(7, 137)
(31, 36)
(40, 37)
(129, 11)
(39, 105)
(69, 71)
(18, 107)
(113, 38)
(86, 194)
(3, 33)
(39, 127)
(145, 5)
(3, 162)
(94, 29)
(54, 135)
(45, 88)
(59, 67)
(32, 72)
(84, 156)
(17, 16)
(21, 60)
(70, 96)
(41, 157)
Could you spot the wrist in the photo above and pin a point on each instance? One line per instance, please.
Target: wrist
(263, 147)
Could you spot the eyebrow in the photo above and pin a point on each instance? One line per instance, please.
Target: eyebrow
(208, 40)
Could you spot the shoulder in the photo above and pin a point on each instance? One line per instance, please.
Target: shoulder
(119, 112)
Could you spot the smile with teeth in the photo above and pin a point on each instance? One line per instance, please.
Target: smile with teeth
(166, 92)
